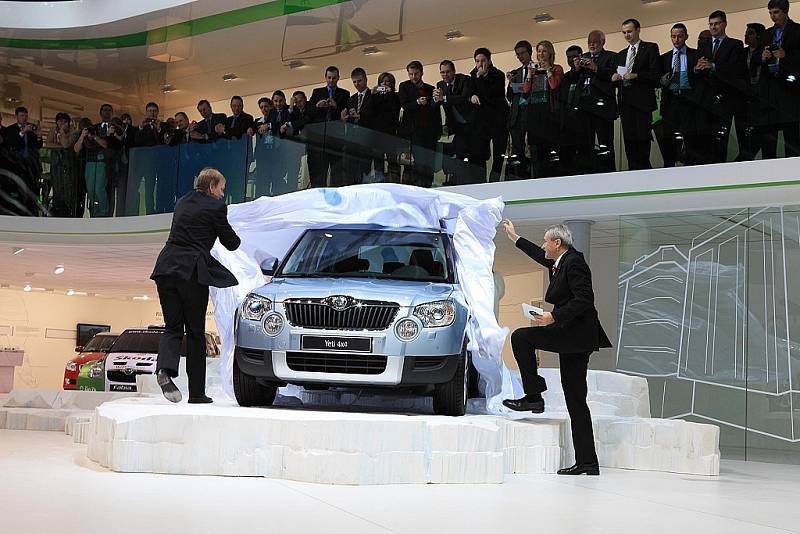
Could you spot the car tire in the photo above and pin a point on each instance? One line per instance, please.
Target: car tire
(450, 398)
(249, 392)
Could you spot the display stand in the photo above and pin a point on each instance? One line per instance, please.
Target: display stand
(9, 359)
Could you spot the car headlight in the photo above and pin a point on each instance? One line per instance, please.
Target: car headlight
(406, 329)
(273, 324)
(439, 313)
(255, 306)
(72, 366)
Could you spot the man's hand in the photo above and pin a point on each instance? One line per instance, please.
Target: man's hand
(322, 104)
(264, 128)
(475, 100)
(630, 76)
(219, 128)
(702, 64)
(592, 66)
(196, 135)
(250, 132)
(332, 103)
(780, 53)
(508, 226)
(545, 319)
(27, 129)
(284, 128)
(616, 77)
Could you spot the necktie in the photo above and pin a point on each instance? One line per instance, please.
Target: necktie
(553, 270)
(631, 59)
(676, 62)
(360, 101)
(233, 121)
(280, 116)
(449, 88)
(715, 49)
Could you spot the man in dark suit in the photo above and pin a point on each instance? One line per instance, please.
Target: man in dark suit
(21, 140)
(421, 125)
(360, 116)
(679, 100)
(325, 138)
(597, 105)
(519, 165)
(290, 149)
(183, 272)
(490, 116)
(239, 122)
(780, 81)
(211, 127)
(572, 330)
(722, 71)
(453, 93)
(180, 135)
(637, 93)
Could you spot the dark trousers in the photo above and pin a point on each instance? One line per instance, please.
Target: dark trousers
(520, 165)
(716, 134)
(604, 157)
(524, 342)
(320, 159)
(791, 138)
(184, 304)
(680, 130)
(636, 134)
(423, 152)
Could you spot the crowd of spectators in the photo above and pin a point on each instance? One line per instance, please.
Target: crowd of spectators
(541, 119)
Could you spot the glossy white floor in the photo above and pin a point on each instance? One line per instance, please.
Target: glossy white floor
(47, 485)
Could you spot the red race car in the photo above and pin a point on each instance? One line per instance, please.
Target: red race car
(95, 349)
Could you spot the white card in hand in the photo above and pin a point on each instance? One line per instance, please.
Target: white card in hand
(531, 312)
(622, 71)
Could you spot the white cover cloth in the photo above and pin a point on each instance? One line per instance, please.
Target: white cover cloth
(269, 226)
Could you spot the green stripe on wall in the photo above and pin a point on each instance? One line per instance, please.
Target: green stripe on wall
(181, 30)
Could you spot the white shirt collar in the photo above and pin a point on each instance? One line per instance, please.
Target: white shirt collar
(636, 44)
(558, 260)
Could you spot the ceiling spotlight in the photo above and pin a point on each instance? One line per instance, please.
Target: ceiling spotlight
(542, 17)
(18, 251)
(59, 269)
(453, 34)
(27, 287)
(70, 292)
(167, 88)
(368, 51)
(143, 297)
(229, 77)
(296, 64)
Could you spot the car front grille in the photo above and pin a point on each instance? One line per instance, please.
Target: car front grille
(369, 315)
(123, 377)
(354, 364)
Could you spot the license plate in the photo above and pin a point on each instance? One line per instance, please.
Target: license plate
(339, 344)
(122, 387)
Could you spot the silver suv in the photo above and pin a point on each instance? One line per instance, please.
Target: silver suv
(357, 307)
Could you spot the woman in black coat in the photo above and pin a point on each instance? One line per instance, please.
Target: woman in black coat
(183, 271)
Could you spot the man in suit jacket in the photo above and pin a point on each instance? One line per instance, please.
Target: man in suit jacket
(421, 125)
(183, 271)
(780, 81)
(519, 166)
(453, 93)
(572, 330)
(597, 105)
(22, 140)
(239, 122)
(680, 104)
(360, 115)
(637, 93)
(326, 137)
(211, 128)
(722, 70)
(490, 116)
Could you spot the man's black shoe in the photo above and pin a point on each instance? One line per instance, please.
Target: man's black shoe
(200, 400)
(580, 469)
(525, 405)
(168, 387)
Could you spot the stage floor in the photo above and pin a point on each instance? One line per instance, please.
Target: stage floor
(48, 485)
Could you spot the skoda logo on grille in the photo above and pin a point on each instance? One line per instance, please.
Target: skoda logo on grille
(128, 371)
(339, 302)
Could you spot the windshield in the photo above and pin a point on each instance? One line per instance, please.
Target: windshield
(385, 254)
(99, 344)
(138, 341)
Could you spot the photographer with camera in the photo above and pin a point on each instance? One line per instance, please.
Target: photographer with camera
(490, 116)
(453, 93)
(544, 110)
(152, 131)
(64, 168)
(90, 148)
(780, 71)
(387, 119)
(23, 142)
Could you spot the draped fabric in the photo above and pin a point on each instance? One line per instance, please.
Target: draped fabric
(269, 226)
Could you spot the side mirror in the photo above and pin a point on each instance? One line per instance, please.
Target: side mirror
(79, 348)
(269, 266)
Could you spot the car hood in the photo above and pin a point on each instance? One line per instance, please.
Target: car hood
(405, 293)
(88, 357)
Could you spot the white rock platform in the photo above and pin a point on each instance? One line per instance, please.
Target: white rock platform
(333, 437)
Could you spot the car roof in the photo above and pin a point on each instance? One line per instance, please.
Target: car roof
(371, 226)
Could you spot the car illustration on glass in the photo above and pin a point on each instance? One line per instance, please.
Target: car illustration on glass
(94, 351)
(357, 307)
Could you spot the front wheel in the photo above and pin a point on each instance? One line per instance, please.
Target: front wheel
(450, 398)
(249, 392)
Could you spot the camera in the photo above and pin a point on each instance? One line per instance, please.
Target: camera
(773, 47)
(382, 89)
(584, 61)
